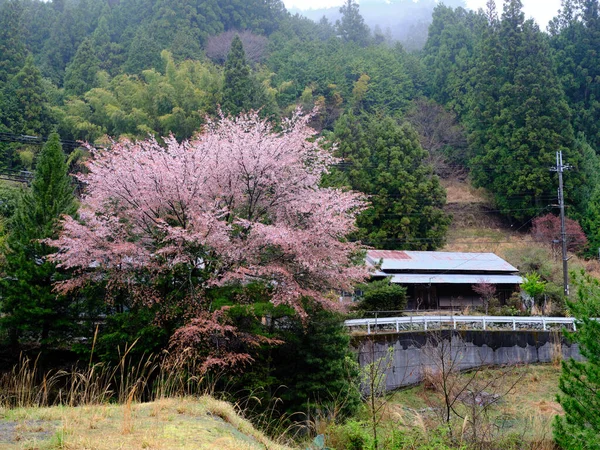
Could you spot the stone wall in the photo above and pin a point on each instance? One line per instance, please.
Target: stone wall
(414, 352)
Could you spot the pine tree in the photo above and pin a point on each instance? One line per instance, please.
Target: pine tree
(110, 54)
(579, 382)
(519, 118)
(576, 40)
(26, 109)
(386, 162)
(31, 310)
(144, 53)
(238, 87)
(80, 75)
(351, 27)
(12, 47)
(591, 222)
(449, 55)
(68, 32)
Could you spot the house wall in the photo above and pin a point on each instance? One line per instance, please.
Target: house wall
(450, 296)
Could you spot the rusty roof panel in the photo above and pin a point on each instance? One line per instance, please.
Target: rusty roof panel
(394, 260)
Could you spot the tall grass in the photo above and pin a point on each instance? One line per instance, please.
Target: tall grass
(145, 379)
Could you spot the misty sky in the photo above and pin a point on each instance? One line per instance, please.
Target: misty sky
(541, 10)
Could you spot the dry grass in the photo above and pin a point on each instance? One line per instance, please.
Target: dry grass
(463, 192)
(527, 410)
(182, 423)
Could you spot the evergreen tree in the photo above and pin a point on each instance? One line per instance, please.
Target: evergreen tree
(385, 161)
(31, 310)
(576, 40)
(580, 381)
(519, 117)
(238, 87)
(26, 108)
(351, 27)
(80, 75)
(68, 31)
(313, 365)
(110, 54)
(12, 47)
(450, 55)
(591, 222)
(144, 53)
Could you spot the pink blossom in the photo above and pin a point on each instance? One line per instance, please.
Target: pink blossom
(240, 201)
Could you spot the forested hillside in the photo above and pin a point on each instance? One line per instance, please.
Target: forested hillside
(490, 93)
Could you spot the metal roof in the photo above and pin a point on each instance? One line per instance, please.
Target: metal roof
(455, 279)
(443, 261)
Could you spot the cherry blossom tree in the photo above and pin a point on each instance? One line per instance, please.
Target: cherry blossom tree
(241, 202)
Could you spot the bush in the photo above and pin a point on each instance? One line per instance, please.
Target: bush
(381, 295)
(352, 435)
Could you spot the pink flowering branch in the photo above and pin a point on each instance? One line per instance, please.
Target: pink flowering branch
(239, 202)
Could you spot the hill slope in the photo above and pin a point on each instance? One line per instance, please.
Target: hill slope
(184, 423)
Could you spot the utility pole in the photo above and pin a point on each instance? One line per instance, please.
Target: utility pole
(560, 168)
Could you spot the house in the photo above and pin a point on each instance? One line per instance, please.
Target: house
(444, 280)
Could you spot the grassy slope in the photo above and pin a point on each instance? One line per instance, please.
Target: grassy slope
(477, 227)
(185, 423)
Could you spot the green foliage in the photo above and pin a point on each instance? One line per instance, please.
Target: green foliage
(12, 47)
(80, 75)
(9, 198)
(25, 105)
(351, 27)
(135, 329)
(533, 285)
(575, 40)
(31, 310)
(591, 222)
(320, 378)
(144, 53)
(330, 70)
(519, 117)
(127, 105)
(450, 55)
(237, 90)
(241, 90)
(382, 295)
(580, 381)
(385, 161)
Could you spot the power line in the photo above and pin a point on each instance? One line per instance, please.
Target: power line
(41, 140)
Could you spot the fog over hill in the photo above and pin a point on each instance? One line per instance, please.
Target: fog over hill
(404, 20)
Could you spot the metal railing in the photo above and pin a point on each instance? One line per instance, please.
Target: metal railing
(413, 323)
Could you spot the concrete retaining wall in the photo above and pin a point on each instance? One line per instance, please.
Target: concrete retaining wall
(414, 352)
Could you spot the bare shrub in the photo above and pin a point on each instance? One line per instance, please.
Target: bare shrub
(465, 399)
(441, 135)
(255, 46)
(373, 385)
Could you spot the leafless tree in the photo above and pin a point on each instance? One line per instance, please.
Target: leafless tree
(439, 134)
(373, 384)
(255, 46)
(468, 396)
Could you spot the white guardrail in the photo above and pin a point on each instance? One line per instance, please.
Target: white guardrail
(411, 323)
